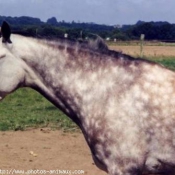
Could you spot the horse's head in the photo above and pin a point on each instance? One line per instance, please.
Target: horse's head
(11, 70)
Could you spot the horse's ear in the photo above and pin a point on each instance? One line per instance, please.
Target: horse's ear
(5, 32)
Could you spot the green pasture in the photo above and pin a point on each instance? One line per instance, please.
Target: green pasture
(168, 62)
(26, 108)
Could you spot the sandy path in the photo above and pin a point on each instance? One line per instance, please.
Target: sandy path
(45, 150)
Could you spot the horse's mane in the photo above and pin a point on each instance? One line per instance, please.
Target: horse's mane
(98, 46)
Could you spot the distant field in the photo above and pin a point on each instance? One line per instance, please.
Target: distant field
(26, 108)
(164, 55)
(148, 51)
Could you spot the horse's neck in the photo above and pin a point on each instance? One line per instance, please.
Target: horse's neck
(65, 77)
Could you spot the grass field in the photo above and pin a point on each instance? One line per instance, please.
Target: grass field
(164, 55)
(26, 108)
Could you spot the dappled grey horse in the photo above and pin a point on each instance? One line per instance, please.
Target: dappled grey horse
(125, 107)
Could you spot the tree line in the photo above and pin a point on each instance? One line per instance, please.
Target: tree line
(80, 30)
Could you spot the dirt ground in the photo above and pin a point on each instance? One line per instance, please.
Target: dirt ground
(44, 149)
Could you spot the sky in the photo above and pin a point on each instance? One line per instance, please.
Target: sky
(109, 12)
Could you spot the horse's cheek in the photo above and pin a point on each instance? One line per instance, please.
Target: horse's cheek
(9, 81)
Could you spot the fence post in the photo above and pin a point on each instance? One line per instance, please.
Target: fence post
(142, 37)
